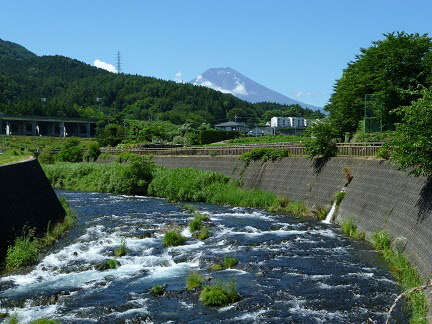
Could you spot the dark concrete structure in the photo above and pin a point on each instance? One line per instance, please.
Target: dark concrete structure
(47, 126)
(27, 200)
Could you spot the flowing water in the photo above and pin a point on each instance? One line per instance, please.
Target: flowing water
(289, 270)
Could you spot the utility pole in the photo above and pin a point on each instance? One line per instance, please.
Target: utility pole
(118, 62)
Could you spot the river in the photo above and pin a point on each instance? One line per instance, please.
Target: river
(289, 270)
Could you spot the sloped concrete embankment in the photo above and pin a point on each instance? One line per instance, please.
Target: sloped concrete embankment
(378, 197)
(27, 200)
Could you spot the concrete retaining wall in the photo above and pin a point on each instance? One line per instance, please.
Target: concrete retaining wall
(378, 197)
(26, 199)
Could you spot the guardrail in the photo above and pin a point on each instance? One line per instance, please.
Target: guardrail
(296, 149)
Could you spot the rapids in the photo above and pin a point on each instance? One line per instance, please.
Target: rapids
(289, 270)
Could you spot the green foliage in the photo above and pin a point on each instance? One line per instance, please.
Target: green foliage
(265, 139)
(389, 67)
(339, 197)
(230, 262)
(197, 223)
(71, 151)
(322, 143)
(93, 152)
(23, 252)
(185, 184)
(215, 267)
(45, 321)
(320, 212)
(113, 177)
(13, 319)
(406, 275)
(173, 236)
(194, 280)
(203, 234)
(45, 157)
(349, 228)
(157, 290)
(111, 135)
(122, 250)
(220, 294)
(410, 147)
(263, 154)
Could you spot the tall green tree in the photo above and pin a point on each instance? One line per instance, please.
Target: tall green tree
(411, 145)
(390, 67)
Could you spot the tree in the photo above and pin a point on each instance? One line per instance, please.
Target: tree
(411, 145)
(390, 67)
(322, 142)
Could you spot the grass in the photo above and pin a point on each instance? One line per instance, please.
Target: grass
(111, 177)
(339, 197)
(264, 140)
(203, 234)
(351, 229)
(23, 252)
(157, 290)
(320, 212)
(26, 247)
(197, 223)
(405, 273)
(173, 236)
(220, 294)
(215, 267)
(194, 280)
(121, 251)
(230, 262)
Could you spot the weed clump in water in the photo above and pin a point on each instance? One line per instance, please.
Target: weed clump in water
(230, 262)
(220, 294)
(173, 236)
(121, 251)
(23, 252)
(194, 280)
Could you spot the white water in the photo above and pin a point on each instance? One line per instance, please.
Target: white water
(332, 211)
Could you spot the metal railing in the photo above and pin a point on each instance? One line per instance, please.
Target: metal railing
(294, 149)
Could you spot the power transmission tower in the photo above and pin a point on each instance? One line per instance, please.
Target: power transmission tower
(118, 62)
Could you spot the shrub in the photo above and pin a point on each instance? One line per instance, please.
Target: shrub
(93, 152)
(45, 157)
(220, 294)
(173, 236)
(72, 154)
(230, 262)
(194, 280)
(322, 142)
(23, 252)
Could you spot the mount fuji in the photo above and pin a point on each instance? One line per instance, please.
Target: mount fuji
(228, 80)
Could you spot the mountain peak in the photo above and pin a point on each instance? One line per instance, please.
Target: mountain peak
(228, 80)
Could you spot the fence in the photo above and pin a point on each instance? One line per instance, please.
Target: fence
(294, 149)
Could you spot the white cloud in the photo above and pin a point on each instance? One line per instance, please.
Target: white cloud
(240, 89)
(178, 77)
(298, 94)
(105, 66)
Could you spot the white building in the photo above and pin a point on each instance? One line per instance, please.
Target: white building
(286, 122)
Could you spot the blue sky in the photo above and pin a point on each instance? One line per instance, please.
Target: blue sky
(298, 48)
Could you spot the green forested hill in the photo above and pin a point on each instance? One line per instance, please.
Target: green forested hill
(71, 88)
